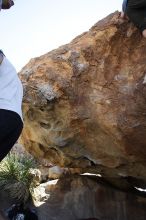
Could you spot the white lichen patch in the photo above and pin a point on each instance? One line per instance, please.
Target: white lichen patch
(48, 91)
(82, 67)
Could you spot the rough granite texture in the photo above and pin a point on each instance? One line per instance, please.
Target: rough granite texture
(85, 102)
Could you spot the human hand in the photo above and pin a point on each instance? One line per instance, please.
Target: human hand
(123, 16)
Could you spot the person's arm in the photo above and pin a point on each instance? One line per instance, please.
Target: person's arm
(124, 6)
(0, 4)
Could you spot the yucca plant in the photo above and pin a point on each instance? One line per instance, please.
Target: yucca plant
(15, 177)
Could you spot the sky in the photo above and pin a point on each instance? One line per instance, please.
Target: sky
(32, 28)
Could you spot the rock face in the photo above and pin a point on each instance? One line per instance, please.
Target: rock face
(85, 102)
(81, 198)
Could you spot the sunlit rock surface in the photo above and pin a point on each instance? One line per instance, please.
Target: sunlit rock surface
(85, 102)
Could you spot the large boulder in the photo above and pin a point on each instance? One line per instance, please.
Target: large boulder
(85, 102)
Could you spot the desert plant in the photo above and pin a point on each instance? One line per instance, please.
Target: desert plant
(15, 177)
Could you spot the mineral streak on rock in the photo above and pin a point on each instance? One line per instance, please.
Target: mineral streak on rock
(85, 102)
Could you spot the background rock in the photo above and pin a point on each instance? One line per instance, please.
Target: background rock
(77, 198)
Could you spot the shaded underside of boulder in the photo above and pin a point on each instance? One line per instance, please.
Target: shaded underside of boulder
(81, 198)
(85, 102)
